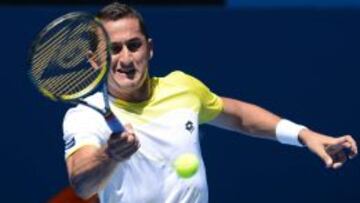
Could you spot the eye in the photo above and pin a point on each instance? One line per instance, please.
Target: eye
(116, 48)
(134, 45)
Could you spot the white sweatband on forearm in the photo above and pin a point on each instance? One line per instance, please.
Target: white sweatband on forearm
(287, 132)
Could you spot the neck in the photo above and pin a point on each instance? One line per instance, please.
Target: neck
(141, 94)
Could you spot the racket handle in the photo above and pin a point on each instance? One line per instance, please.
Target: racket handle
(114, 124)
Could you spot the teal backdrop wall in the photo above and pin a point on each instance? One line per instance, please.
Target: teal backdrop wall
(300, 63)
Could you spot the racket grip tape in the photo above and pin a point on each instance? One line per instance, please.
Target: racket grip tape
(114, 124)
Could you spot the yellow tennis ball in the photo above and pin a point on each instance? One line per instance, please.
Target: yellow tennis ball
(186, 165)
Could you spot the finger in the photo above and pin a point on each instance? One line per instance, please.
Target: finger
(348, 142)
(128, 144)
(130, 138)
(352, 155)
(128, 127)
(117, 140)
(337, 165)
(127, 139)
(354, 149)
(119, 154)
(344, 142)
(130, 151)
(325, 157)
(125, 153)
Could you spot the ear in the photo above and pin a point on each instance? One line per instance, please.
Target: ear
(151, 54)
(150, 46)
(92, 60)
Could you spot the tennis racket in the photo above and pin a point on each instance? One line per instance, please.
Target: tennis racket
(69, 60)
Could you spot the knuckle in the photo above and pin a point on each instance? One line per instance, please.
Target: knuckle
(348, 137)
(130, 139)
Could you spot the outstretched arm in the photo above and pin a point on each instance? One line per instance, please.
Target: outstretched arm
(255, 121)
(246, 118)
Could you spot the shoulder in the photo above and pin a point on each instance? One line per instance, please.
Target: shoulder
(180, 78)
(82, 113)
(96, 99)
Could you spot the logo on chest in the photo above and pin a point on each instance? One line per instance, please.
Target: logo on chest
(189, 126)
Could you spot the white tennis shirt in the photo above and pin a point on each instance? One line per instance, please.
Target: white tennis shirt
(166, 126)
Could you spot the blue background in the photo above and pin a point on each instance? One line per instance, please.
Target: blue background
(293, 3)
(299, 63)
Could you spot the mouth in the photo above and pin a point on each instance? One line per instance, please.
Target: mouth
(129, 72)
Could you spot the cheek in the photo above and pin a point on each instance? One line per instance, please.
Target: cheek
(114, 60)
(141, 58)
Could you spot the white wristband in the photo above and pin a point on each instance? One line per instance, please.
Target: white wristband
(287, 132)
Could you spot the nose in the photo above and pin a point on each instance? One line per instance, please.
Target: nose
(125, 57)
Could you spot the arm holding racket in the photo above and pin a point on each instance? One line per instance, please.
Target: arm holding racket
(90, 167)
(255, 121)
(69, 59)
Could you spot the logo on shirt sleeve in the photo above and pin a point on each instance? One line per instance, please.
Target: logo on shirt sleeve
(69, 143)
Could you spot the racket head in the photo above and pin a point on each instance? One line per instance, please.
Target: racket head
(70, 57)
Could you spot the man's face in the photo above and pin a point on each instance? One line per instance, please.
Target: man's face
(130, 54)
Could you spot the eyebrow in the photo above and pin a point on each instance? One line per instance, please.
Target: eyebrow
(127, 41)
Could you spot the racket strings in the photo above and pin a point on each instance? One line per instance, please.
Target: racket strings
(57, 84)
(41, 65)
(51, 43)
(44, 53)
(60, 64)
(71, 83)
(46, 50)
(71, 55)
(73, 46)
(66, 34)
(75, 61)
(83, 82)
(74, 82)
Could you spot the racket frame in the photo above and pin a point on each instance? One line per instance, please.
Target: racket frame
(104, 70)
(78, 98)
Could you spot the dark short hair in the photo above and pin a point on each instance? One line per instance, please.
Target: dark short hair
(116, 11)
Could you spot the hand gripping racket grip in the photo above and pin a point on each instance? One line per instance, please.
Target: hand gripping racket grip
(114, 124)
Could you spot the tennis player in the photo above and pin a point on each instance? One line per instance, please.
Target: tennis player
(162, 115)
